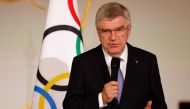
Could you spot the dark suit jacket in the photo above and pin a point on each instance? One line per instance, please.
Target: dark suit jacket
(89, 73)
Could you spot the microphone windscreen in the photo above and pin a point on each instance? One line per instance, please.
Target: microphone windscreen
(115, 64)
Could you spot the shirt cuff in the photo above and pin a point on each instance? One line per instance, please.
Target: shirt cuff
(101, 104)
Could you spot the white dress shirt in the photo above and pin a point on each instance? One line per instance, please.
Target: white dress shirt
(123, 65)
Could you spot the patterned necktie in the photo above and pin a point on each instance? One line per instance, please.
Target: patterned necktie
(120, 80)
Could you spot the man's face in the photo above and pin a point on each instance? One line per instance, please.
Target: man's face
(113, 34)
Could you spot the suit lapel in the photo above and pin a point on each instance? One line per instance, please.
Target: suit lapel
(129, 74)
(101, 66)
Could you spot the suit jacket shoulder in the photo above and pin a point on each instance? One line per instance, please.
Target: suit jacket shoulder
(138, 52)
(97, 51)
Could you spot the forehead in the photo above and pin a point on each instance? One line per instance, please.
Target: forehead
(113, 23)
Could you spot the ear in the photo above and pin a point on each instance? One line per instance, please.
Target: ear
(129, 29)
(99, 37)
(97, 29)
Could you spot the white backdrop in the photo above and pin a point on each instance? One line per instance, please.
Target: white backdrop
(161, 27)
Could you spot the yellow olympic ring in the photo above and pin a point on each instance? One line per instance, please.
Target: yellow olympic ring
(50, 84)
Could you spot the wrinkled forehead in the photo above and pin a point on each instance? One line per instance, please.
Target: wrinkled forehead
(113, 22)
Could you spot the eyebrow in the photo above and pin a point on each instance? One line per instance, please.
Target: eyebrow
(122, 26)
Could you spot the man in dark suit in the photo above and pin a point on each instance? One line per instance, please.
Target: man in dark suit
(90, 85)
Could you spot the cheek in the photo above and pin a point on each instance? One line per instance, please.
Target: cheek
(104, 43)
(123, 40)
(103, 40)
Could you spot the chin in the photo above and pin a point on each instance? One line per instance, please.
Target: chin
(114, 54)
(115, 51)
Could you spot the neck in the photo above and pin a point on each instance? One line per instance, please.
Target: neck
(115, 55)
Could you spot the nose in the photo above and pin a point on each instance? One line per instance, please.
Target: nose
(113, 35)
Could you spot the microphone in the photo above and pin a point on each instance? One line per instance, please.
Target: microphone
(115, 64)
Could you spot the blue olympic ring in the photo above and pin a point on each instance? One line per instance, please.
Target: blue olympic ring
(47, 96)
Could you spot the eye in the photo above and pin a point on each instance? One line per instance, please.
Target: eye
(120, 29)
(105, 30)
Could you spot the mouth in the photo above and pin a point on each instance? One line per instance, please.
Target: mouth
(113, 45)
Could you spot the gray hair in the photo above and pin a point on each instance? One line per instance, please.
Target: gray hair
(110, 11)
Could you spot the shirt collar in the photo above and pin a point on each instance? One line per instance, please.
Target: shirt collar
(123, 56)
